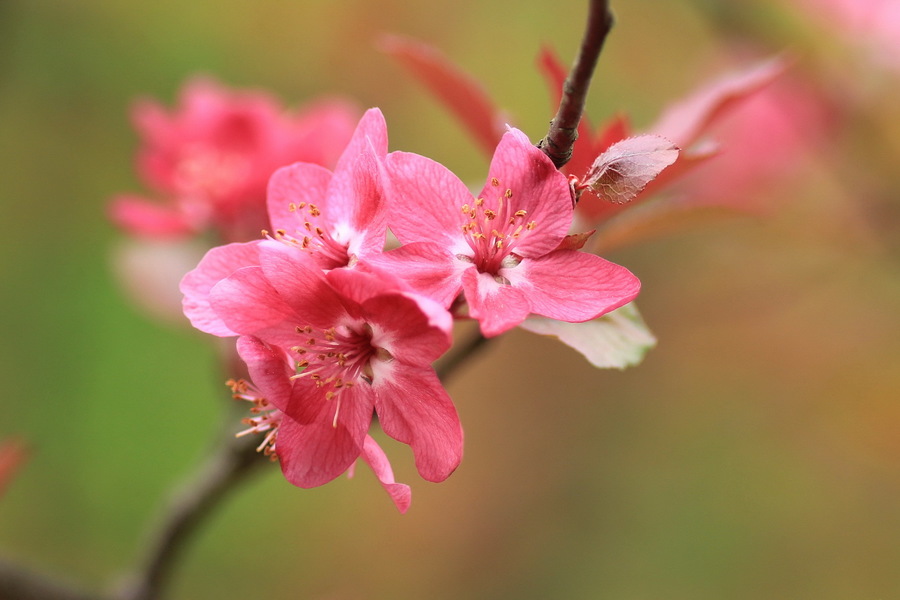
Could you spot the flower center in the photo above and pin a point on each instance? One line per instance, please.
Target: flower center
(337, 358)
(494, 233)
(209, 173)
(315, 236)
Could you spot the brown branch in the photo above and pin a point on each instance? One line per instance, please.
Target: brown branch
(558, 142)
(20, 583)
(460, 354)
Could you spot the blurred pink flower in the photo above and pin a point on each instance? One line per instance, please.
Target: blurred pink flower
(360, 343)
(13, 453)
(210, 158)
(273, 368)
(507, 249)
(871, 25)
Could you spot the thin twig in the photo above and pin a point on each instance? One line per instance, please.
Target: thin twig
(558, 142)
(461, 354)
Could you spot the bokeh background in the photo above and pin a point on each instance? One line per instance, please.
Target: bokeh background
(753, 455)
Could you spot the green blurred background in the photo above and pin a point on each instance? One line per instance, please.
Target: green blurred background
(753, 455)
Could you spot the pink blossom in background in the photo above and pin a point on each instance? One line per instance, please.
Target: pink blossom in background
(13, 453)
(873, 26)
(208, 160)
(273, 369)
(506, 250)
(361, 343)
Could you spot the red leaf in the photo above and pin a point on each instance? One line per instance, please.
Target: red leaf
(457, 90)
(625, 169)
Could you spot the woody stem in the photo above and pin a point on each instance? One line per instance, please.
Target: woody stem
(560, 139)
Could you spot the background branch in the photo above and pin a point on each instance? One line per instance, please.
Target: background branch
(560, 139)
(193, 502)
(20, 583)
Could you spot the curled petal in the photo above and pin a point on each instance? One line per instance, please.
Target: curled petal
(378, 461)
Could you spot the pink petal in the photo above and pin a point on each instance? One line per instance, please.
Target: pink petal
(302, 285)
(269, 369)
(625, 169)
(216, 265)
(296, 184)
(461, 93)
(537, 187)
(414, 329)
(313, 455)
(370, 134)
(430, 269)
(414, 408)
(356, 199)
(141, 217)
(426, 199)
(247, 303)
(573, 286)
(378, 461)
(498, 307)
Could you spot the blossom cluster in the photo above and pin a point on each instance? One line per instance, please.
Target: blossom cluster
(336, 326)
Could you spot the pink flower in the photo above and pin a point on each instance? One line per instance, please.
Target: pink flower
(211, 157)
(336, 219)
(360, 343)
(506, 250)
(273, 369)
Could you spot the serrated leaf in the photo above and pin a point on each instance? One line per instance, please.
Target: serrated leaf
(625, 169)
(614, 341)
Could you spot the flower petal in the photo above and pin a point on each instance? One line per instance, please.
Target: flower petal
(426, 267)
(573, 286)
(312, 455)
(537, 187)
(414, 329)
(498, 307)
(302, 285)
(414, 408)
(269, 369)
(378, 461)
(426, 199)
(216, 265)
(142, 217)
(293, 185)
(247, 303)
